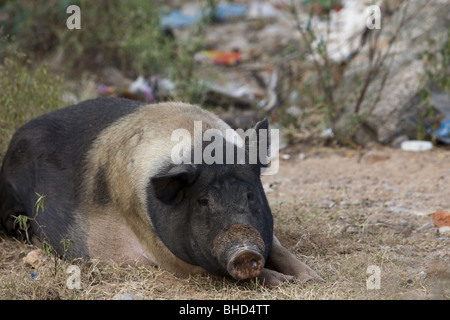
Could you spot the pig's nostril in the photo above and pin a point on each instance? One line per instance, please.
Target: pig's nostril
(245, 264)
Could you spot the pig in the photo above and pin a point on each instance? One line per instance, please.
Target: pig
(106, 169)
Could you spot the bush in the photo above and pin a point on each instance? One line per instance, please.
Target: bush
(124, 34)
(24, 94)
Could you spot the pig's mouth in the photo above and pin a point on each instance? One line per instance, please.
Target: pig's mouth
(240, 251)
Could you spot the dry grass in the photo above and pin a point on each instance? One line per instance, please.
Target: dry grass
(318, 236)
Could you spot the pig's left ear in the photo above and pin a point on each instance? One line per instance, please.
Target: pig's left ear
(169, 187)
(261, 130)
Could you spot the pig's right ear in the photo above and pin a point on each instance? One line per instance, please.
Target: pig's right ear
(169, 187)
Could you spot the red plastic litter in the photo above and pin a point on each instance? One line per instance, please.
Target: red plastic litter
(218, 57)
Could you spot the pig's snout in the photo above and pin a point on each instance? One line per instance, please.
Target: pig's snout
(245, 264)
(239, 249)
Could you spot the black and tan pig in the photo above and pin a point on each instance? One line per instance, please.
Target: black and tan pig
(111, 186)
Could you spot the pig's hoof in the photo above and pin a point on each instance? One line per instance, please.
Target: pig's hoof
(304, 273)
(272, 278)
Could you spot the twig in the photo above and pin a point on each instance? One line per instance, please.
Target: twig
(46, 245)
(323, 83)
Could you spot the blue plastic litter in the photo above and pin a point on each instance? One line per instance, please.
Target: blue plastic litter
(230, 10)
(177, 19)
(444, 130)
(442, 134)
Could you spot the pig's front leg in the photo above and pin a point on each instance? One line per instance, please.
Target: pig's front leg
(284, 266)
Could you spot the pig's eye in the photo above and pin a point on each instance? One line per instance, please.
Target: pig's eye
(250, 195)
(203, 202)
